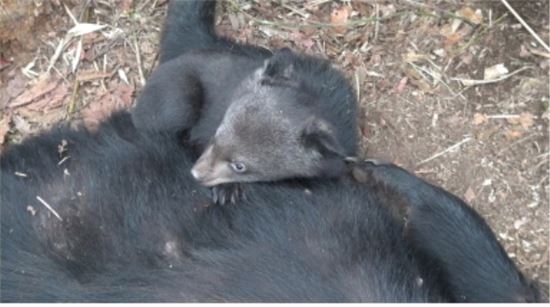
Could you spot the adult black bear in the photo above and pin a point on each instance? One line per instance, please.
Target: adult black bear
(254, 116)
(121, 219)
(115, 215)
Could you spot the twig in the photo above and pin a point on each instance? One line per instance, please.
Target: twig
(470, 82)
(312, 3)
(27, 70)
(101, 81)
(295, 10)
(104, 70)
(63, 160)
(60, 47)
(358, 86)
(74, 94)
(76, 58)
(138, 60)
(49, 207)
(539, 53)
(525, 25)
(503, 116)
(439, 154)
(377, 23)
(75, 21)
(19, 174)
(76, 85)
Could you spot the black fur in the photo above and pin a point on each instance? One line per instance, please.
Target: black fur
(136, 227)
(191, 92)
(450, 235)
(190, 26)
(201, 75)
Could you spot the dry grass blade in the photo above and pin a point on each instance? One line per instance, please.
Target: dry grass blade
(470, 82)
(441, 153)
(138, 60)
(525, 25)
(43, 202)
(85, 28)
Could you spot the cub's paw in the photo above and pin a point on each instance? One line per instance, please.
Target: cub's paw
(228, 193)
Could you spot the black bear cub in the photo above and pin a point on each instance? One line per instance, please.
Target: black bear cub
(253, 115)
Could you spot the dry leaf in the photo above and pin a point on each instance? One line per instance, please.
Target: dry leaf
(512, 134)
(475, 17)
(446, 30)
(455, 24)
(401, 85)
(440, 52)
(454, 38)
(470, 195)
(414, 57)
(479, 119)
(44, 86)
(526, 120)
(339, 17)
(89, 75)
(387, 10)
(494, 72)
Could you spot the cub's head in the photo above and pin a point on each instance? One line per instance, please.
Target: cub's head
(272, 130)
(250, 147)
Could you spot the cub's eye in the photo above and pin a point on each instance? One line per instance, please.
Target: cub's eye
(238, 167)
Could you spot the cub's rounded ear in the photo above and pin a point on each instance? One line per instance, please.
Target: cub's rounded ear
(278, 62)
(319, 135)
(278, 69)
(274, 74)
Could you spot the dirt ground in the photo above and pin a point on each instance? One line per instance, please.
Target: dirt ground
(455, 91)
